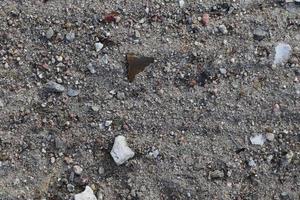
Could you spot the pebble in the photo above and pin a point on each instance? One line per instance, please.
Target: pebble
(222, 28)
(77, 169)
(108, 123)
(87, 194)
(205, 19)
(101, 170)
(181, 3)
(258, 139)
(73, 93)
(283, 53)
(98, 46)
(270, 136)
(120, 95)
(137, 34)
(223, 71)
(91, 68)
(70, 36)
(70, 188)
(120, 151)
(1, 103)
(52, 86)
(259, 34)
(49, 33)
(251, 163)
(95, 108)
(217, 174)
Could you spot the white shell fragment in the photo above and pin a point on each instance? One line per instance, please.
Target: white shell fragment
(87, 194)
(258, 140)
(120, 151)
(283, 53)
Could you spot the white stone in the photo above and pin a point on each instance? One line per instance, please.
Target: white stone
(258, 140)
(181, 3)
(77, 169)
(120, 151)
(87, 194)
(283, 53)
(98, 46)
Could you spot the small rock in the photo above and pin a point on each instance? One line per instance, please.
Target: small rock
(222, 28)
(59, 58)
(52, 86)
(49, 33)
(223, 71)
(100, 195)
(120, 151)
(98, 46)
(1, 103)
(181, 3)
(259, 34)
(137, 34)
(270, 136)
(87, 194)
(73, 93)
(70, 188)
(258, 139)
(120, 95)
(77, 169)
(205, 19)
(101, 170)
(283, 53)
(91, 68)
(52, 160)
(251, 163)
(217, 174)
(108, 123)
(70, 36)
(95, 108)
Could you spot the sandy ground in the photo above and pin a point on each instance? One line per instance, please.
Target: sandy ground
(189, 117)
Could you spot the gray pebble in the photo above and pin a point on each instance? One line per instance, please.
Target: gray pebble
(70, 188)
(217, 174)
(259, 34)
(73, 93)
(98, 46)
(101, 170)
(222, 28)
(270, 136)
(120, 95)
(52, 86)
(70, 36)
(223, 71)
(91, 68)
(49, 33)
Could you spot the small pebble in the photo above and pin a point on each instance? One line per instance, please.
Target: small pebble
(205, 19)
(259, 34)
(101, 170)
(120, 151)
(251, 163)
(217, 174)
(70, 188)
(222, 28)
(77, 169)
(91, 68)
(223, 71)
(258, 139)
(121, 95)
(108, 123)
(73, 93)
(270, 136)
(49, 33)
(98, 46)
(70, 36)
(181, 3)
(87, 194)
(52, 86)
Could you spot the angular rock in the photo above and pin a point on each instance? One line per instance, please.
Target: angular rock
(259, 34)
(120, 151)
(70, 36)
(49, 33)
(87, 194)
(98, 46)
(258, 139)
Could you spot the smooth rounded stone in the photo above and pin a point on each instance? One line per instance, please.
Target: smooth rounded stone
(77, 169)
(70, 36)
(52, 86)
(73, 93)
(98, 46)
(49, 33)
(87, 194)
(120, 151)
(259, 34)
(283, 53)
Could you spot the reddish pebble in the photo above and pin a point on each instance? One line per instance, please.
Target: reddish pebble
(205, 19)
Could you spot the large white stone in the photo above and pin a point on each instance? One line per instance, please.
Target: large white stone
(283, 52)
(87, 194)
(120, 151)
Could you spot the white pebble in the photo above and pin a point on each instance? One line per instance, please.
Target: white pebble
(98, 46)
(258, 140)
(87, 194)
(283, 53)
(120, 151)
